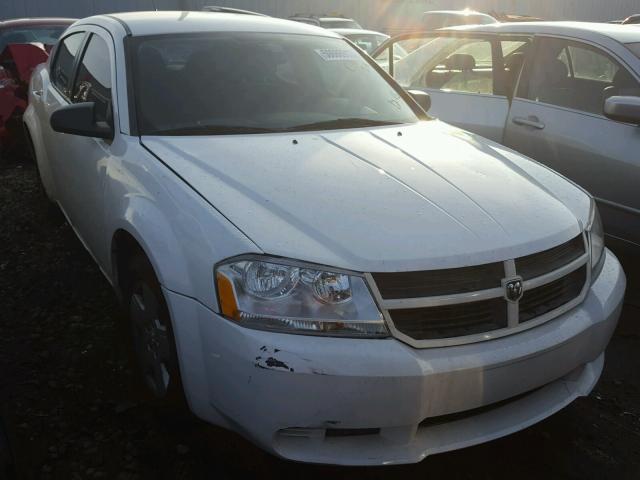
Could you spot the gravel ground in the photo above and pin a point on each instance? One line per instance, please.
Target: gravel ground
(69, 408)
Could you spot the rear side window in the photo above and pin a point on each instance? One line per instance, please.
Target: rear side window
(592, 65)
(575, 75)
(67, 52)
(93, 82)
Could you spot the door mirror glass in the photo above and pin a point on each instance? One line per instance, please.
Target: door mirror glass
(422, 98)
(623, 109)
(80, 119)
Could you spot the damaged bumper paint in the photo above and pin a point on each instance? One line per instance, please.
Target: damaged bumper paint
(374, 402)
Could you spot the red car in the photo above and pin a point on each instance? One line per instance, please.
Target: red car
(24, 43)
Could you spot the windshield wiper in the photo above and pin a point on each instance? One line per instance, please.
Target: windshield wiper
(341, 123)
(214, 130)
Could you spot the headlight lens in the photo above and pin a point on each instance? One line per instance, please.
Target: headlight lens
(283, 296)
(596, 240)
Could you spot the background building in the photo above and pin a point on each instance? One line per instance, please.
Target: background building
(379, 14)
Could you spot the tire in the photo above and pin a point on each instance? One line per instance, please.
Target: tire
(152, 342)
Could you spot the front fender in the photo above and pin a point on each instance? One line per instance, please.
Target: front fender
(182, 235)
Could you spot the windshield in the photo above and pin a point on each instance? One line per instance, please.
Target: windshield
(225, 83)
(635, 48)
(339, 24)
(45, 34)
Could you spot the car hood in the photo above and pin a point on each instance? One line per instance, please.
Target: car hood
(421, 196)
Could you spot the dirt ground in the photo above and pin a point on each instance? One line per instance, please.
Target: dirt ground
(67, 396)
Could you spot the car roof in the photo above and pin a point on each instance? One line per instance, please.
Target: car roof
(168, 22)
(357, 31)
(216, 8)
(585, 30)
(25, 22)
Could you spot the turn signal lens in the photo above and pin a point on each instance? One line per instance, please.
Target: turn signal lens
(228, 305)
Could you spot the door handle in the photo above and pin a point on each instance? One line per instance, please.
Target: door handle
(532, 122)
(37, 93)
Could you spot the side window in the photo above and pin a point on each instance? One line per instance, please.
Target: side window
(465, 66)
(93, 82)
(450, 64)
(575, 75)
(62, 69)
(590, 64)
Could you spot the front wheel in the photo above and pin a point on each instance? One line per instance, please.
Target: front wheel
(153, 342)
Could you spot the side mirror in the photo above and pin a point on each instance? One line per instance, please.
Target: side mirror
(422, 98)
(623, 109)
(79, 119)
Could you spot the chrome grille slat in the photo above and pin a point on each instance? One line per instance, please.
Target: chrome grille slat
(553, 280)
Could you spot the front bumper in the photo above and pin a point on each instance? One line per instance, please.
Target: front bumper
(373, 402)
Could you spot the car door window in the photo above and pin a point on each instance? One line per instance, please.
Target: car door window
(93, 81)
(575, 75)
(446, 63)
(589, 64)
(62, 70)
(464, 65)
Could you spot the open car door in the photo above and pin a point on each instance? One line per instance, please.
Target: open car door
(469, 76)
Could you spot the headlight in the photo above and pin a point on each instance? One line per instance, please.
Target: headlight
(289, 297)
(596, 240)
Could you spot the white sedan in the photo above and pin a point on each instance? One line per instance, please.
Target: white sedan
(306, 257)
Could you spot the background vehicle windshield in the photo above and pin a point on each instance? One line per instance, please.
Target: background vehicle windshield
(339, 24)
(47, 35)
(367, 41)
(256, 83)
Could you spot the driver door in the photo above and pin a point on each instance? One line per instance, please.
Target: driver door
(79, 163)
(469, 77)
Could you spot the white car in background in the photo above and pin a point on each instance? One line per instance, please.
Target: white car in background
(564, 93)
(326, 21)
(304, 254)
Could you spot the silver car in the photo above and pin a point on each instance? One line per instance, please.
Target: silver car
(564, 93)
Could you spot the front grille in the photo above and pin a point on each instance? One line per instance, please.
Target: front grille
(438, 282)
(451, 320)
(471, 301)
(545, 299)
(541, 263)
